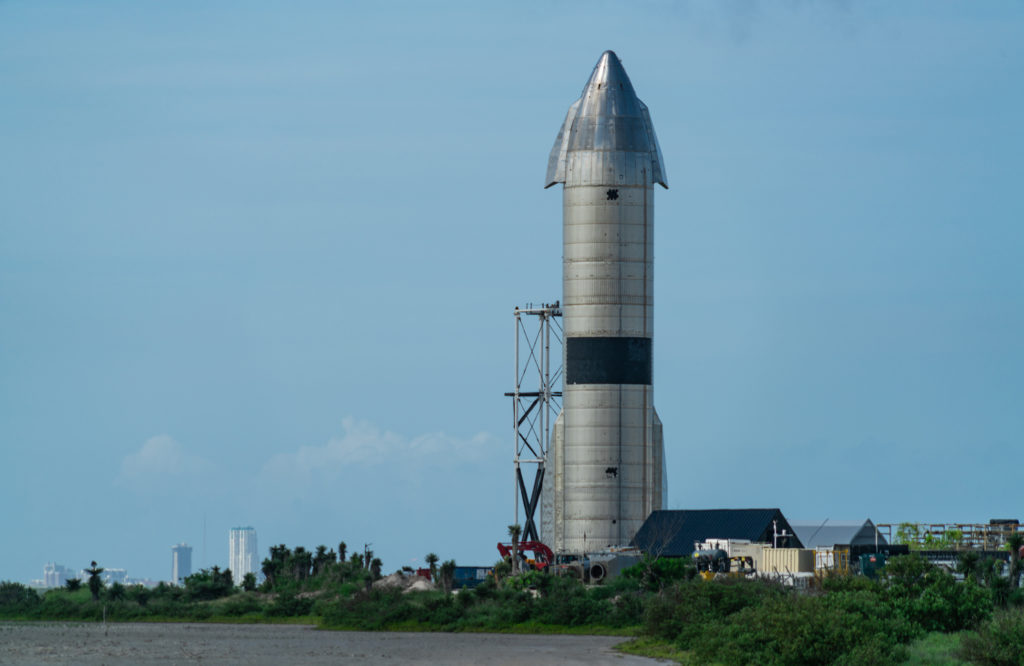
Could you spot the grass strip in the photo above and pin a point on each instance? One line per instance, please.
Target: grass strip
(655, 648)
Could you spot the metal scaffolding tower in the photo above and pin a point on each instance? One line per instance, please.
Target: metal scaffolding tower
(534, 410)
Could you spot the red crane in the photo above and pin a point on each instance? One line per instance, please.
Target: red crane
(542, 555)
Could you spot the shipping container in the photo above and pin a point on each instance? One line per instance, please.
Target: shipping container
(787, 560)
(470, 576)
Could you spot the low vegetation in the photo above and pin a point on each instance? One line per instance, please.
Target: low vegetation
(915, 613)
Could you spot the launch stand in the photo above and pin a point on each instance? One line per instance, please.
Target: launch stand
(535, 403)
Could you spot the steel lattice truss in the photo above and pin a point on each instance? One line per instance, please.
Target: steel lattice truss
(536, 402)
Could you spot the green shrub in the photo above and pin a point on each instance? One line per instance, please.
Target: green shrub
(240, 604)
(289, 605)
(488, 589)
(932, 598)
(1000, 590)
(566, 602)
(679, 612)
(16, 598)
(656, 574)
(998, 642)
(62, 605)
(169, 607)
(909, 575)
(527, 579)
(374, 611)
(797, 630)
(124, 611)
(872, 607)
(116, 592)
(839, 582)
(946, 605)
(139, 594)
(209, 584)
(198, 612)
(440, 611)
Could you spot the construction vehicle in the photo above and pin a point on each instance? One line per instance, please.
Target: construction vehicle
(542, 555)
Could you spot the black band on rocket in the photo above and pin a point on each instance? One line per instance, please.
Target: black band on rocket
(608, 360)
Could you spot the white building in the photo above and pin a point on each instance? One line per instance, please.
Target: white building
(111, 576)
(108, 576)
(181, 563)
(56, 575)
(243, 554)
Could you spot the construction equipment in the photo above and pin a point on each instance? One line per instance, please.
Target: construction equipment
(542, 555)
(711, 561)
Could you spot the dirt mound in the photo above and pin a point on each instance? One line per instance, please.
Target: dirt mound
(404, 582)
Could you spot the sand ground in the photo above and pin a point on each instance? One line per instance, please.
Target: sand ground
(256, 645)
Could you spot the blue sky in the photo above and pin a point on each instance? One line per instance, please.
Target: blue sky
(258, 262)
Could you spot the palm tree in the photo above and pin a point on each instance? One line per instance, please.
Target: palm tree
(987, 571)
(448, 575)
(969, 564)
(502, 568)
(302, 561)
(95, 582)
(116, 592)
(514, 531)
(1015, 541)
(320, 559)
(342, 551)
(73, 584)
(270, 568)
(431, 560)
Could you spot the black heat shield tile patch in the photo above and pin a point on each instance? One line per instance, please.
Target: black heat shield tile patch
(608, 360)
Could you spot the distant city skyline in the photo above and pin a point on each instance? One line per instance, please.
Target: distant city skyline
(57, 575)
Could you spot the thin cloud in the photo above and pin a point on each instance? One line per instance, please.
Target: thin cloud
(160, 459)
(363, 444)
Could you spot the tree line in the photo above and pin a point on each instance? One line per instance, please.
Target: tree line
(730, 620)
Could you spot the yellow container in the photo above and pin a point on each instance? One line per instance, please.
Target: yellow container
(787, 560)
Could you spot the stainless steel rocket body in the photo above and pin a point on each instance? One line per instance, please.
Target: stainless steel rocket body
(606, 469)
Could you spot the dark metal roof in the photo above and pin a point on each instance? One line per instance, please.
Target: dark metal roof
(833, 533)
(673, 533)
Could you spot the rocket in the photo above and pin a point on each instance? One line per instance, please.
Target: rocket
(605, 471)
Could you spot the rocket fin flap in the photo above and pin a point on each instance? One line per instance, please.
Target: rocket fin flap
(657, 162)
(551, 523)
(557, 158)
(660, 489)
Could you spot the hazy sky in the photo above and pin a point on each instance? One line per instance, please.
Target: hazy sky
(258, 262)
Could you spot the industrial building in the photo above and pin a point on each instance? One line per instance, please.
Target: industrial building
(839, 534)
(675, 533)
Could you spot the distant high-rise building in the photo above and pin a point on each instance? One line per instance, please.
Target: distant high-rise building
(243, 555)
(181, 563)
(55, 575)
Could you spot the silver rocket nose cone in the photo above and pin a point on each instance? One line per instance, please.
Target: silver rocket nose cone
(607, 119)
(609, 82)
